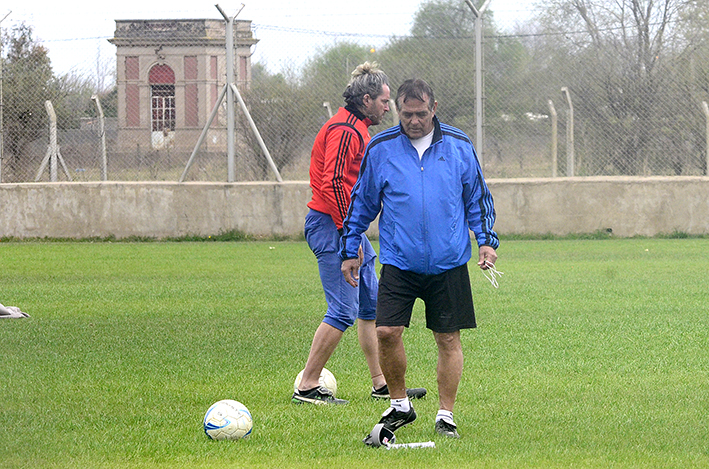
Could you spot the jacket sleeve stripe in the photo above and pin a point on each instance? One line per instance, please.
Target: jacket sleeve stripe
(346, 251)
(487, 214)
(338, 178)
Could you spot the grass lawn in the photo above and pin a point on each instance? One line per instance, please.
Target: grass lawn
(592, 353)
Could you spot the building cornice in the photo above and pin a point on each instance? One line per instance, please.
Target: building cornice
(192, 32)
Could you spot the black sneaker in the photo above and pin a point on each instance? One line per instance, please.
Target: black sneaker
(447, 429)
(411, 393)
(319, 395)
(392, 420)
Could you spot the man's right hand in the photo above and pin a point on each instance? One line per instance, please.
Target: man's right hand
(350, 269)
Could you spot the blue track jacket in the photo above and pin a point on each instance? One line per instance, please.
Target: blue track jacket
(426, 205)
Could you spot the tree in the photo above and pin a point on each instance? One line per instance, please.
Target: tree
(71, 97)
(617, 57)
(441, 50)
(27, 76)
(327, 74)
(28, 82)
(443, 18)
(692, 76)
(282, 115)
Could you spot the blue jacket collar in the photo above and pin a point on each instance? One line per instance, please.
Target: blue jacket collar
(437, 134)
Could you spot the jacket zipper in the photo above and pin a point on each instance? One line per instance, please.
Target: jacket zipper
(423, 217)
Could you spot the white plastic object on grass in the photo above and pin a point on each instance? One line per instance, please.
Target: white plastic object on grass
(422, 444)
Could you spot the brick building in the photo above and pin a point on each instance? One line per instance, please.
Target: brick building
(170, 74)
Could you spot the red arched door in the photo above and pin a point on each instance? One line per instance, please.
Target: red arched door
(162, 105)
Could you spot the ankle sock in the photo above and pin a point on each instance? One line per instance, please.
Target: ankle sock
(306, 391)
(402, 405)
(445, 415)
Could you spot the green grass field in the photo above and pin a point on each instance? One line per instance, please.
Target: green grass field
(592, 353)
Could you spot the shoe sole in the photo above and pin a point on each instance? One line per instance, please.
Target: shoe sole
(306, 400)
(447, 434)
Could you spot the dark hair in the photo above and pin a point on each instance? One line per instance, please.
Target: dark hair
(367, 78)
(414, 88)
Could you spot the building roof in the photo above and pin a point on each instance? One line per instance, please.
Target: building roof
(180, 32)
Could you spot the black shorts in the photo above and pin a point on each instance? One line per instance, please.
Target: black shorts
(448, 298)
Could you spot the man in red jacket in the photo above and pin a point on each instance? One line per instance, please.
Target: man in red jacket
(334, 167)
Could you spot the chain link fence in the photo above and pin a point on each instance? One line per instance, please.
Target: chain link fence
(578, 88)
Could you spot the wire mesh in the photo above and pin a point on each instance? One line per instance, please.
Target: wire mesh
(637, 80)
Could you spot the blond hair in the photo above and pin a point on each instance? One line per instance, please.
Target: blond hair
(367, 78)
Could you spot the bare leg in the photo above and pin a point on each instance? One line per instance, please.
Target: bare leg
(392, 359)
(324, 343)
(367, 334)
(450, 368)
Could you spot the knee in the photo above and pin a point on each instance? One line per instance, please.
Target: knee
(448, 342)
(389, 335)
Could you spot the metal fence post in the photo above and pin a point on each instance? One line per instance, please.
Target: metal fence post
(554, 139)
(215, 110)
(478, 76)
(326, 105)
(705, 107)
(53, 158)
(257, 134)
(231, 127)
(232, 94)
(570, 156)
(102, 130)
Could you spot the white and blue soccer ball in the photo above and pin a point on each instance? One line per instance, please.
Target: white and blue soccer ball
(327, 380)
(228, 420)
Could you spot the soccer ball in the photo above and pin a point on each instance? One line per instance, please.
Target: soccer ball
(228, 420)
(327, 380)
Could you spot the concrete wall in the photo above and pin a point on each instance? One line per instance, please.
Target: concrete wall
(627, 205)
(154, 209)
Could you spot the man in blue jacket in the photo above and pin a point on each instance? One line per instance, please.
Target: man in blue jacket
(424, 181)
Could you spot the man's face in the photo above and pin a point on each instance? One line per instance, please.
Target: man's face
(416, 118)
(375, 108)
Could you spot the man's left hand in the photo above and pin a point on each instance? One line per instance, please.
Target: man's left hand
(487, 256)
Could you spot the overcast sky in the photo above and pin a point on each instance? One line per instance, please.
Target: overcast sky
(70, 29)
